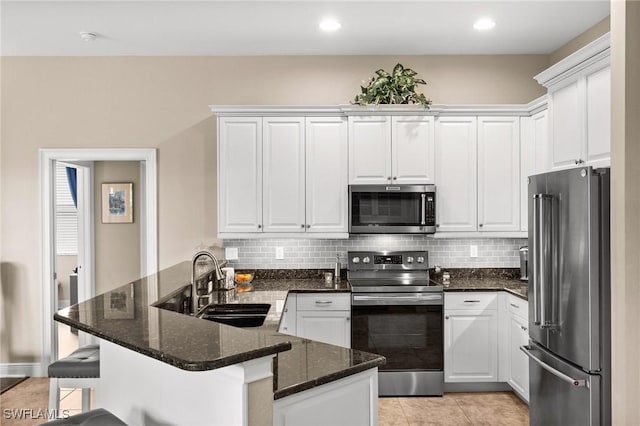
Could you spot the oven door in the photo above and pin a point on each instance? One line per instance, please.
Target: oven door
(403, 327)
(375, 209)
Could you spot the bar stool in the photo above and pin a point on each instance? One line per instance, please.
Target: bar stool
(97, 417)
(81, 369)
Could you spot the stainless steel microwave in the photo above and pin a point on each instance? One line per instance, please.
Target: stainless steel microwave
(392, 209)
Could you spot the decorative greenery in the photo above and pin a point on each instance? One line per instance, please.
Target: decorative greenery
(399, 87)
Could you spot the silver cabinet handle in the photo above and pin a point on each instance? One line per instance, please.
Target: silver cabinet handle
(324, 302)
(574, 382)
(471, 301)
(514, 305)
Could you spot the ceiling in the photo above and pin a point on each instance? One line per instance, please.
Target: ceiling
(396, 27)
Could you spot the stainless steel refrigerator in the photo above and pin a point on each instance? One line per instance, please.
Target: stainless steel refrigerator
(569, 298)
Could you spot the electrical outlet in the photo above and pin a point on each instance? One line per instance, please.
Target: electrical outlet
(231, 253)
(279, 253)
(473, 251)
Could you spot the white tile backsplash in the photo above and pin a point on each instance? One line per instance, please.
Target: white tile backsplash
(320, 254)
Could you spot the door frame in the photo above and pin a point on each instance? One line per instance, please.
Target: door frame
(148, 228)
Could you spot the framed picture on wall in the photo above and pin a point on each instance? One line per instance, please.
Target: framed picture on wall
(118, 304)
(117, 202)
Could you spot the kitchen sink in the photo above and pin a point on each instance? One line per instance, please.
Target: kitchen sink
(236, 314)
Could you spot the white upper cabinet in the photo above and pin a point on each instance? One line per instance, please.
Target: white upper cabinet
(412, 150)
(580, 107)
(240, 174)
(391, 149)
(369, 149)
(498, 173)
(326, 168)
(534, 156)
(456, 178)
(283, 174)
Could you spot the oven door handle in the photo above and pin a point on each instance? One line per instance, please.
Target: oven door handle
(374, 300)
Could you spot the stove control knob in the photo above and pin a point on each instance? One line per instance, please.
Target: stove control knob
(420, 259)
(409, 259)
(366, 260)
(356, 259)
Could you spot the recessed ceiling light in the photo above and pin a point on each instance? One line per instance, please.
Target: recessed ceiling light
(329, 25)
(86, 36)
(484, 24)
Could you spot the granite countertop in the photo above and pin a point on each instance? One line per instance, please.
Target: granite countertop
(194, 344)
(483, 279)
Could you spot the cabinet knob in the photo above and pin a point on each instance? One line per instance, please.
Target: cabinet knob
(302, 226)
(348, 318)
(437, 225)
(395, 178)
(388, 177)
(447, 317)
(480, 225)
(259, 226)
(579, 161)
(308, 226)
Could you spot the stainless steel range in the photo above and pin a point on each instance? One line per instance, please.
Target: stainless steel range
(397, 312)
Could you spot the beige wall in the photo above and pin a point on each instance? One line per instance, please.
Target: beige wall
(117, 245)
(580, 41)
(625, 226)
(65, 264)
(162, 102)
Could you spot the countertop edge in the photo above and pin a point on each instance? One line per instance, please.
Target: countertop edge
(300, 387)
(177, 362)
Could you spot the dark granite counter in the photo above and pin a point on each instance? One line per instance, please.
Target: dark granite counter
(125, 316)
(484, 279)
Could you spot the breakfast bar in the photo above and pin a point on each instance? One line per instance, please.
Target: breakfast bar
(163, 366)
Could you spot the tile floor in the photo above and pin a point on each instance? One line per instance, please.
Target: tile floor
(481, 408)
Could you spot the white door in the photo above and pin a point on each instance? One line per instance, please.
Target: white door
(240, 174)
(283, 176)
(499, 174)
(519, 362)
(327, 166)
(471, 346)
(332, 327)
(567, 134)
(413, 150)
(369, 150)
(456, 179)
(534, 156)
(598, 92)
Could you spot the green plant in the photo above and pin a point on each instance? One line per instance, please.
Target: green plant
(397, 87)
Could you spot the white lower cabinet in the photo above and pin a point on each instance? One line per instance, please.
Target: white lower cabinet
(517, 336)
(318, 316)
(471, 337)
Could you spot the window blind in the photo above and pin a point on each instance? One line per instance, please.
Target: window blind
(66, 216)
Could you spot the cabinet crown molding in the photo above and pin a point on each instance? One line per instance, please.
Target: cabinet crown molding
(354, 110)
(597, 50)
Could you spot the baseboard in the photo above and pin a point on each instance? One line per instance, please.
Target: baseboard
(477, 387)
(21, 369)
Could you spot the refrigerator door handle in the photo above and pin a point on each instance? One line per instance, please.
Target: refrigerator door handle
(573, 382)
(535, 274)
(543, 252)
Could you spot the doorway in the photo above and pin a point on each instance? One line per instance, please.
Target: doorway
(81, 159)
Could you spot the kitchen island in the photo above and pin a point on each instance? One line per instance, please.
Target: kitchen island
(164, 367)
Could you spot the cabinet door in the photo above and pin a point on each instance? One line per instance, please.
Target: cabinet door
(598, 91)
(288, 319)
(283, 174)
(412, 150)
(499, 174)
(369, 150)
(239, 174)
(471, 346)
(534, 156)
(566, 125)
(332, 327)
(456, 196)
(519, 363)
(326, 158)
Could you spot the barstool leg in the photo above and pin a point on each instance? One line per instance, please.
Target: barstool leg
(54, 395)
(86, 399)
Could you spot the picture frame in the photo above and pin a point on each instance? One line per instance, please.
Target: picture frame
(119, 303)
(117, 202)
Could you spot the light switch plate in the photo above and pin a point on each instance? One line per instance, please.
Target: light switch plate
(279, 253)
(473, 251)
(231, 253)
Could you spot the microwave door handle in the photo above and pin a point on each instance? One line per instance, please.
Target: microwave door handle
(423, 213)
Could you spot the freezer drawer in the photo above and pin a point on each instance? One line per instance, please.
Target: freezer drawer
(561, 394)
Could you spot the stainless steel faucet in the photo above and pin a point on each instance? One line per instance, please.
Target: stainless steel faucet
(201, 298)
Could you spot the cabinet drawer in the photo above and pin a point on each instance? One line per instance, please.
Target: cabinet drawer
(518, 307)
(324, 302)
(471, 300)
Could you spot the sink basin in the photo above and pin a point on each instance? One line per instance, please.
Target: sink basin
(236, 314)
